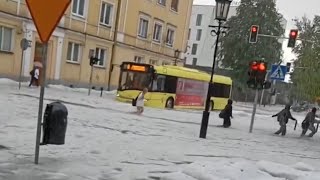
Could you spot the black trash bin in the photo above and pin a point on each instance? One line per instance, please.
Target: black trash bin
(55, 124)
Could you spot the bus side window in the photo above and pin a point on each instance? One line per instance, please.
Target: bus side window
(158, 84)
(171, 84)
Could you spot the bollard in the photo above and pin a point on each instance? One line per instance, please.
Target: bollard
(101, 91)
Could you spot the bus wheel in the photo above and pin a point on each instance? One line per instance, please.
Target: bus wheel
(170, 103)
(211, 105)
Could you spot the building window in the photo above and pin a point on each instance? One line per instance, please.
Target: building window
(199, 19)
(153, 62)
(189, 33)
(73, 53)
(106, 14)
(78, 7)
(170, 37)
(157, 32)
(194, 61)
(6, 38)
(143, 28)
(194, 49)
(162, 2)
(199, 33)
(101, 55)
(138, 59)
(174, 5)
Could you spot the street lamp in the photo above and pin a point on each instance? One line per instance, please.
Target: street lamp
(222, 11)
(176, 55)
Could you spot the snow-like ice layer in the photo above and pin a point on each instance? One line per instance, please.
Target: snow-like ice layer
(106, 141)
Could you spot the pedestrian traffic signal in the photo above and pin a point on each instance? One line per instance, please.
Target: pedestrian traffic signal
(292, 38)
(252, 74)
(257, 75)
(261, 75)
(254, 34)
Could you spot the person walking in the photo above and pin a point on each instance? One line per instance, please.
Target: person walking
(308, 123)
(34, 73)
(140, 101)
(226, 114)
(283, 118)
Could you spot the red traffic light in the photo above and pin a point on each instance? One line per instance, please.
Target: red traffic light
(292, 38)
(254, 66)
(254, 29)
(293, 33)
(258, 66)
(262, 67)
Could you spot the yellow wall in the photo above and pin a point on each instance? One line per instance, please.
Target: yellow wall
(80, 72)
(10, 62)
(132, 45)
(91, 34)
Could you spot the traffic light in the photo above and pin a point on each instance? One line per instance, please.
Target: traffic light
(252, 75)
(254, 34)
(93, 60)
(261, 74)
(257, 74)
(292, 38)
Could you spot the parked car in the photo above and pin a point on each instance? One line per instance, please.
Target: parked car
(303, 106)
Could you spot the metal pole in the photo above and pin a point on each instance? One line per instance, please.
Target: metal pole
(282, 37)
(254, 110)
(206, 113)
(90, 83)
(21, 66)
(115, 42)
(43, 85)
(262, 93)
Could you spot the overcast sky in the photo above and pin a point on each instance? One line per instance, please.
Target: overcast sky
(290, 9)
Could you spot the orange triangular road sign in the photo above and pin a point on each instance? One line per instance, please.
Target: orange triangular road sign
(46, 15)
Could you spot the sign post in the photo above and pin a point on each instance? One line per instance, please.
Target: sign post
(43, 85)
(263, 90)
(90, 81)
(254, 110)
(46, 16)
(24, 44)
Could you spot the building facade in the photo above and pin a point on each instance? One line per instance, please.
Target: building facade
(151, 32)
(201, 43)
(112, 30)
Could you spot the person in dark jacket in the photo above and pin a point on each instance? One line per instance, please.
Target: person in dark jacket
(227, 114)
(309, 122)
(283, 118)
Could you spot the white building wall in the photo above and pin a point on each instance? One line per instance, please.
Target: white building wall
(206, 45)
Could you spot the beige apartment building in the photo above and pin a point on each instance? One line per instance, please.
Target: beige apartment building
(143, 31)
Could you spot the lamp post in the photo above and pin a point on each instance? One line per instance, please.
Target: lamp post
(176, 55)
(222, 11)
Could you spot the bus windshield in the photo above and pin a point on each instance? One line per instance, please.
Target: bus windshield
(132, 80)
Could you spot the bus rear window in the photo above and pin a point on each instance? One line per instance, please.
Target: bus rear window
(221, 90)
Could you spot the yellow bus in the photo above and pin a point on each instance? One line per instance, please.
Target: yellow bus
(172, 86)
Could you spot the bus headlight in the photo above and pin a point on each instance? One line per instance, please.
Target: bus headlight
(118, 94)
